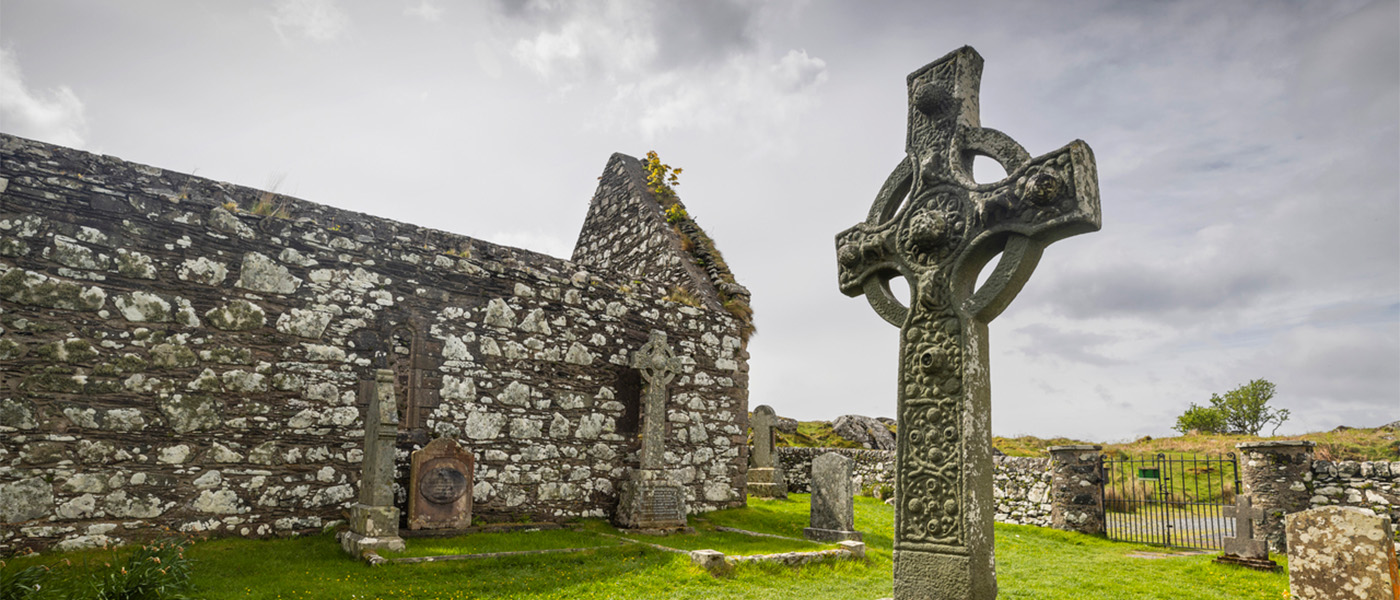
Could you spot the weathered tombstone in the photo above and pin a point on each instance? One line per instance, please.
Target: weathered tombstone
(374, 521)
(833, 507)
(649, 499)
(1244, 549)
(766, 478)
(440, 496)
(1341, 552)
(935, 226)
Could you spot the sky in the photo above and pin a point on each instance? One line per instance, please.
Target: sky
(1248, 157)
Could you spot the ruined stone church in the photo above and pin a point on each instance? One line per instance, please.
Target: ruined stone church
(192, 354)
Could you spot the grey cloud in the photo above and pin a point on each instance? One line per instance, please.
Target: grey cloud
(1046, 341)
(1118, 289)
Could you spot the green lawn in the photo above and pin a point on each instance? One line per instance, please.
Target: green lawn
(1032, 563)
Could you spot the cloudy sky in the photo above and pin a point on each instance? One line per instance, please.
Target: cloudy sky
(1248, 154)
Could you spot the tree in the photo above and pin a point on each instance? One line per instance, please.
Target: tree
(1244, 409)
(1203, 419)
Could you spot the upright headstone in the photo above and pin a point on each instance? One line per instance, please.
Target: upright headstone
(833, 516)
(649, 498)
(934, 225)
(374, 521)
(1244, 549)
(1341, 553)
(440, 496)
(766, 478)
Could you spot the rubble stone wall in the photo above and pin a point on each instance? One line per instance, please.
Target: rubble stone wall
(1021, 485)
(192, 354)
(1370, 485)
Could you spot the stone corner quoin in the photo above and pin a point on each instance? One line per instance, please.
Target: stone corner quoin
(169, 358)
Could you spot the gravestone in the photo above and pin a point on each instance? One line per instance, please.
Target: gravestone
(649, 499)
(1243, 549)
(1341, 552)
(374, 521)
(766, 479)
(933, 225)
(440, 492)
(833, 506)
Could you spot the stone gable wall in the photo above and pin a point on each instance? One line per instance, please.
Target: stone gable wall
(1021, 485)
(166, 360)
(626, 233)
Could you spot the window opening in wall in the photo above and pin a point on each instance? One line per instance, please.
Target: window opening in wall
(629, 393)
(401, 352)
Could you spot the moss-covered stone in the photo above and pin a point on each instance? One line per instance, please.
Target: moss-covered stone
(135, 265)
(10, 349)
(143, 307)
(17, 414)
(207, 381)
(186, 413)
(173, 356)
(70, 351)
(54, 379)
(36, 289)
(13, 247)
(228, 355)
(237, 315)
(69, 253)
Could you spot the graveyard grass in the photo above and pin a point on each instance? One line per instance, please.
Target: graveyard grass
(1032, 563)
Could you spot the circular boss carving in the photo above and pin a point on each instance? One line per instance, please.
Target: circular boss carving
(443, 485)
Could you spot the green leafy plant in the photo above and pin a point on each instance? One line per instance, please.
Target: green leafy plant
(23, 584)
(661, 178)
(1243, 410)
(157, 571)
(676, 214)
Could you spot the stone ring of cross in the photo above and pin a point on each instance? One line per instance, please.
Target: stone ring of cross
(934, 225)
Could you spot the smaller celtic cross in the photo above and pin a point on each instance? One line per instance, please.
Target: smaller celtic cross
(658, 366)
(1244, 514)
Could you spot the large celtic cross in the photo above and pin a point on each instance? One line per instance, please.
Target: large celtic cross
(934, 226)
(658, 366)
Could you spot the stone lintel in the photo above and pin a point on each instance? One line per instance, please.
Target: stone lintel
(1275, 444)
(1075, 448)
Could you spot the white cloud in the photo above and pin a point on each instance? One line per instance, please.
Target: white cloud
(317, 20)
(707, 74)
(424, 9)
(54, 116)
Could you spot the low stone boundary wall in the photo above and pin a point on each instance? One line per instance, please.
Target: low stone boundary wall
(1372, 485)
(870, 468)
(1021, 484)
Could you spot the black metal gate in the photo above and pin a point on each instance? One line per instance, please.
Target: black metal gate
(1170, 500)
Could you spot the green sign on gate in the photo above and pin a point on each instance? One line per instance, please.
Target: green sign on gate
(1153, 474)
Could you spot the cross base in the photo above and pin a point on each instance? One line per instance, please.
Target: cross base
(1258, 564)
(928, 576)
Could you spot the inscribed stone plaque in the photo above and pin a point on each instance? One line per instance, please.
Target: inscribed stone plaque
(936, 227)
(1341, 553)
(441, 482)
(833, 506)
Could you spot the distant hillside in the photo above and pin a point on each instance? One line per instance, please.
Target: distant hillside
(1379, 443)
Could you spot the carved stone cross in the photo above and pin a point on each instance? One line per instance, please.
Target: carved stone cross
(658, 366)
(1243, 544)
(933, 225)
